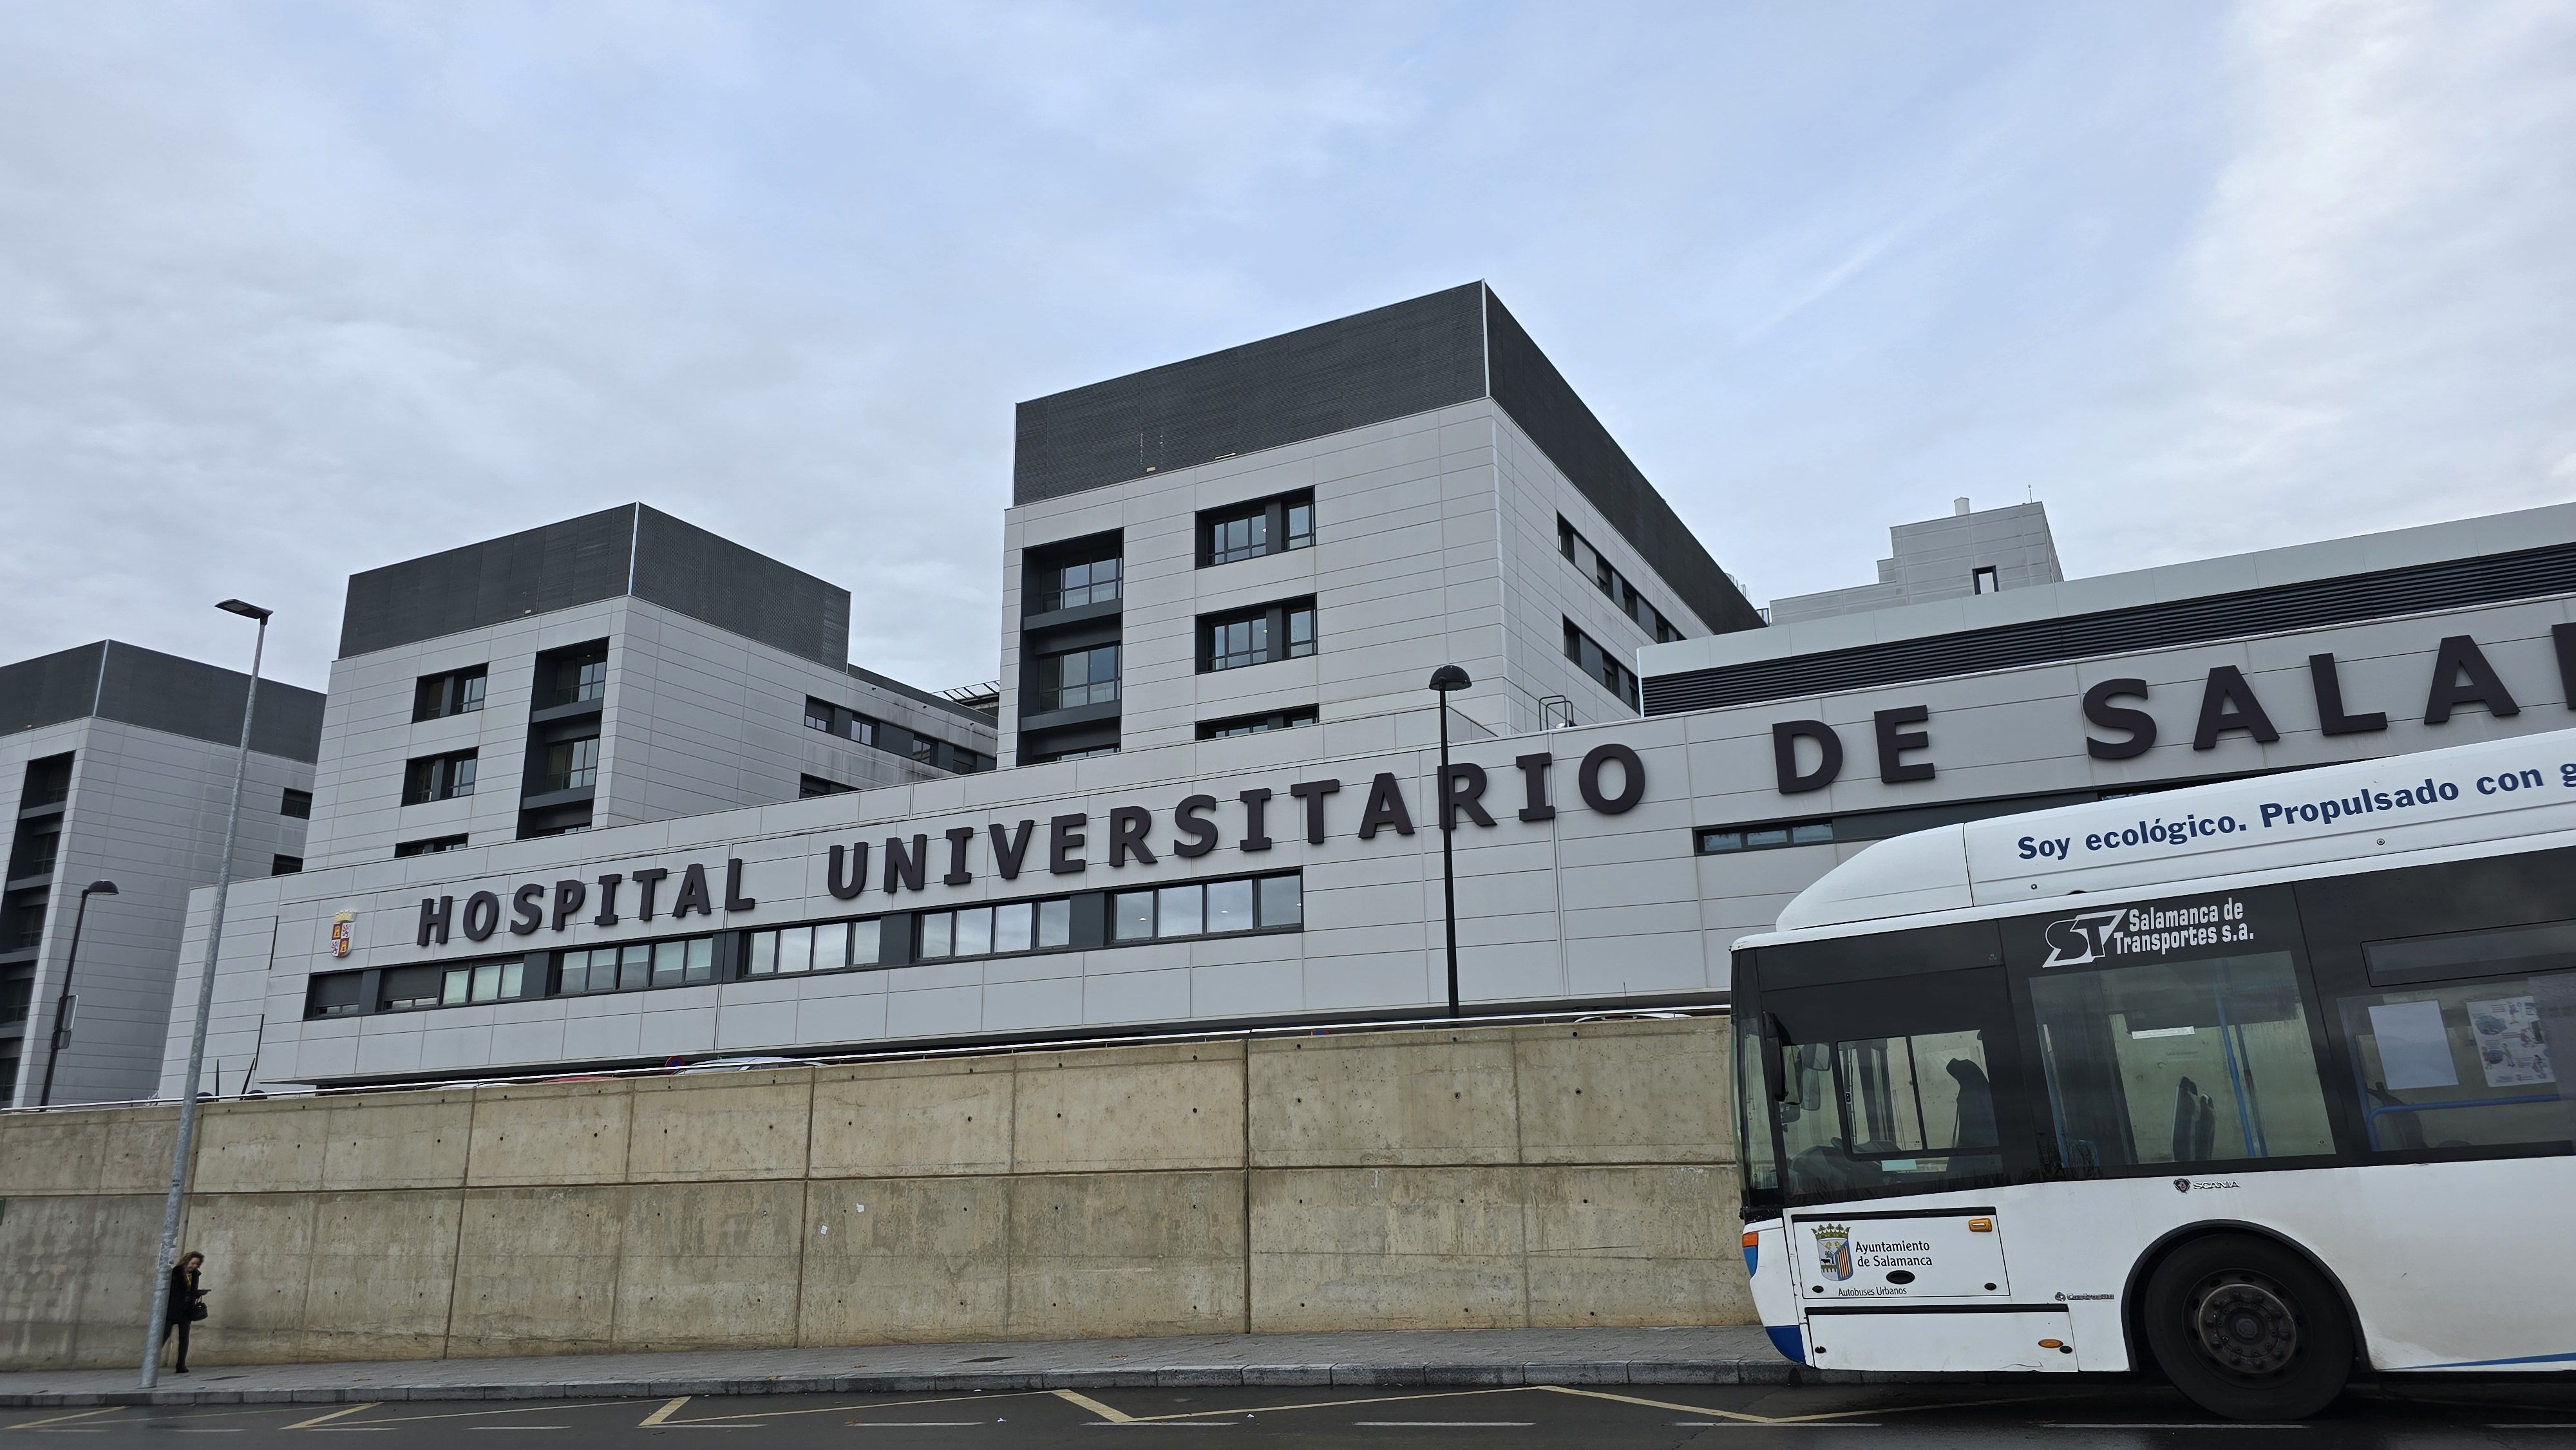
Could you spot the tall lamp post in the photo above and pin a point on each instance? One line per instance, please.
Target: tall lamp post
(63, 1003)
(205, 1005)
(1443, 680)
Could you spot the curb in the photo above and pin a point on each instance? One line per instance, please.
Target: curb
(1224, 1376)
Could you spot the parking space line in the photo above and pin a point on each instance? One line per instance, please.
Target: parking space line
(862, 1405)
(334, 1415)
(66, 1419)
(517, 1410)
(660, 1416)
(1115, 1417)
(1735, 1415)
(1340, 1404)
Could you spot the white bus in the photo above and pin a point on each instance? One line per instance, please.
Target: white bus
(2249, 1082)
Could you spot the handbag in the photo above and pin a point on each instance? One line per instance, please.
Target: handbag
(197, 1311)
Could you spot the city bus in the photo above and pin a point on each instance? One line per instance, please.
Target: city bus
(2251, 1084)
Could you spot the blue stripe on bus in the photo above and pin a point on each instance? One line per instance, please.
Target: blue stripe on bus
(2519, 1359)
(1752, 1252)
(1785, 1339)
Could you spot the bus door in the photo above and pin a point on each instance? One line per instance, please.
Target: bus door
(1890, 1052)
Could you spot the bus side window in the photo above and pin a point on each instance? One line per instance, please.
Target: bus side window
(2454, 1064)
(2180, 1062)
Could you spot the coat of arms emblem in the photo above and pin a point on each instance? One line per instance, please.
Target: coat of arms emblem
(1833, 1251)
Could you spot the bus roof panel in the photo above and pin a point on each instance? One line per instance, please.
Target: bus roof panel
(2467, 795)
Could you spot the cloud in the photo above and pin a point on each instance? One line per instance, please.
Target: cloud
(297, 290)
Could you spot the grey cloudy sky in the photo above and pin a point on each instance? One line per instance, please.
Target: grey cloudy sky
(288, 291)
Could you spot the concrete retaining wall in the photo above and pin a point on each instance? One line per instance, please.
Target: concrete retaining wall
(1542, 1176)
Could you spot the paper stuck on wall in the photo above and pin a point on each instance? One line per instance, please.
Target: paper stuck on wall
(2414, 1051)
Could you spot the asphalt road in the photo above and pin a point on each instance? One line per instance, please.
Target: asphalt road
(2487, 1415)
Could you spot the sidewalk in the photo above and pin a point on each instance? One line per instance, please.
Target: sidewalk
(1727, 1355)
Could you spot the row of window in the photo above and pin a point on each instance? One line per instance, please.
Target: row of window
(1601, 665)
(1607, 578)
(1088, 919)
(1259, 724)
(847, 724)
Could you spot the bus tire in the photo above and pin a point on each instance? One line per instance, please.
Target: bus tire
(2248, 1329)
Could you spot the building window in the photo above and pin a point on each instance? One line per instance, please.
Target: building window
(1283, 631)
(1988, 579)
(1258, 724)
(1598, 663)
(1213, 908)
(430, 847)
(47, 782)
(285, 865)
(438, 778)
(458, 692)
(1614, 586)
(1725, 840)
(577, 675)
(822, 947)
(572, 764)
(335, 995)
(839, 720)
(1251, 530)
(296, 803)
(1078, 677)
(688, 961)
(1072, 584)
(810, 786)
(1081, 752)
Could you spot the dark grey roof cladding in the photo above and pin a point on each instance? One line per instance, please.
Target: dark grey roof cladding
(2311, 604)
(1390, 362)
(1529, 388)
(49, 689)
(681, 566)
(117, 681)
(598, 556)
(557, 566)
(1412, 357)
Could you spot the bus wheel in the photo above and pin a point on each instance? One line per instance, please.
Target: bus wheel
(2247, 1329)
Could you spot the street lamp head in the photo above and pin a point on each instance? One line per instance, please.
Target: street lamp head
(245, 610)
(99, 888)
(1449, 677)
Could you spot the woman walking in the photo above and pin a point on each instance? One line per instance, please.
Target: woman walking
(187, 1303)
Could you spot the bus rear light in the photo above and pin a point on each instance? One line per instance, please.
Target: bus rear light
(1751, 1238)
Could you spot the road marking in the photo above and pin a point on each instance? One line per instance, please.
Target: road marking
(334, 1415)
(669, 1408)
(1115, 1417)
(1734, 1415)
(489, 1414)
(1340, 1404)
(65, 1419)
(1171, 1424)
(845, 1409)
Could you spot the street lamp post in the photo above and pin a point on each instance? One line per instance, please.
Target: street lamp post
(63, 1003)
(205, 1006)
(1443, 680)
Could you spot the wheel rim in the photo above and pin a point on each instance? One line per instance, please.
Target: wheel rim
(2245, 1324)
